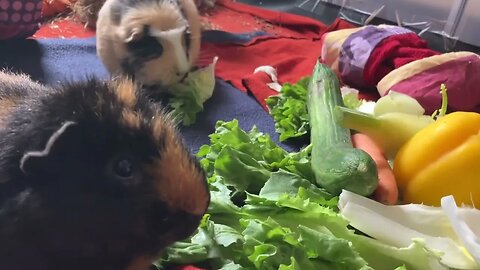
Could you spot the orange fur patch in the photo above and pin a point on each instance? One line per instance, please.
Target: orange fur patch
(6, 106)
(8, 100)
(178, 181)
(160, 125)
(126, 92)
(131, 118)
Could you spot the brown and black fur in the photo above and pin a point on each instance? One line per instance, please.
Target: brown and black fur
(86, 11)
(13, 89)
(116, 188)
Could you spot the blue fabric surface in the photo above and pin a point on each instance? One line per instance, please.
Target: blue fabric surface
(55, 60)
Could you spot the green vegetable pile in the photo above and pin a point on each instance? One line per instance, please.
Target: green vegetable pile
(289, 109)
(267, 213)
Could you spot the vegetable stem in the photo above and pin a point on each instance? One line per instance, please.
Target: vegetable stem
(355, 119)
(443, 109)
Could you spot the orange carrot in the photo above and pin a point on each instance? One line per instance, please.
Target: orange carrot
(387, 190)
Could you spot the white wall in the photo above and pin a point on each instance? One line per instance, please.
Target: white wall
(469, 27)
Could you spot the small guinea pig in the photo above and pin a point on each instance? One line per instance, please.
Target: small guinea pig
(92, 176)
(157, 42)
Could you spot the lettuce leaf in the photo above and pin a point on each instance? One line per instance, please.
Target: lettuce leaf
(267, 213)
(289, 110)
(189, 95)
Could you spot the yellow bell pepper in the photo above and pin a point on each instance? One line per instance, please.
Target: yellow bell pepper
(442, 159)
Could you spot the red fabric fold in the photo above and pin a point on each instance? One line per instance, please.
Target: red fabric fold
(292, 58)
(256, 84)
(394, 52)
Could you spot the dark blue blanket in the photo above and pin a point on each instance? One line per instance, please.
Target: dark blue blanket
(54, 60)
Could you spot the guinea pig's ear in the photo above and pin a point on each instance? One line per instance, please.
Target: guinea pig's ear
(33, 161)
(133, 34)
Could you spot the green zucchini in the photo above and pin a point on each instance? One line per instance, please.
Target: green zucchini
(336, 163)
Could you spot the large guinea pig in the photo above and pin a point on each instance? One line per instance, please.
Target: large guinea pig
(157, 42)
(92, 176)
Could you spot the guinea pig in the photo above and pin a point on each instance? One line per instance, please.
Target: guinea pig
(157, 42)
(93, 175)
(86, 11)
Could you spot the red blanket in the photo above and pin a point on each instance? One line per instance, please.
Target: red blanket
(292, 49)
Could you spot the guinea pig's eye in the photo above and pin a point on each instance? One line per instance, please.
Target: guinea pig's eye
(123, 168)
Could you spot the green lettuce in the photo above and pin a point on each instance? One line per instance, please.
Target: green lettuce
(289, 110)
(267, 213)
(189, 95)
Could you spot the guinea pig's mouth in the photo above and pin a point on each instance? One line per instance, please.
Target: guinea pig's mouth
(177, 223)
(187, 226)
(182, 79)
(193, 69)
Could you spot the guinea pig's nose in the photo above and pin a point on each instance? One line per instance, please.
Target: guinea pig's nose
(187, 224)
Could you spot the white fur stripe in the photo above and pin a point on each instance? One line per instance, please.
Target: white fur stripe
(175, 38)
